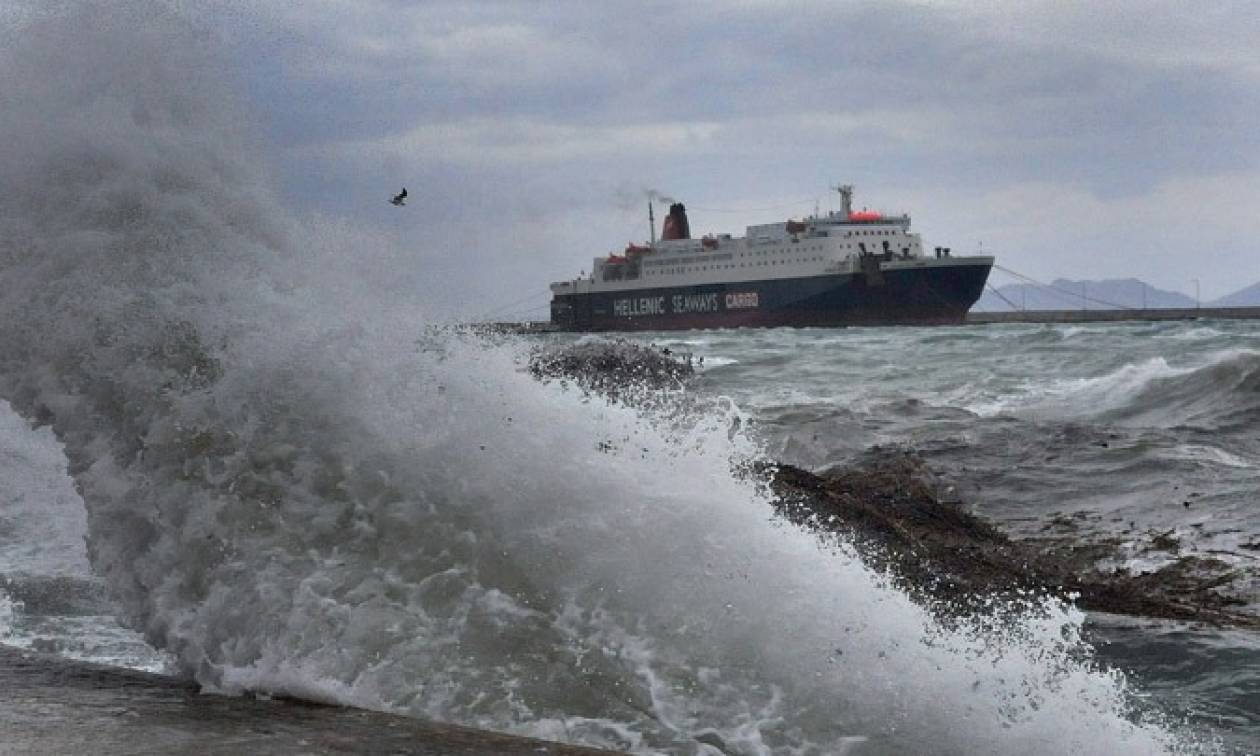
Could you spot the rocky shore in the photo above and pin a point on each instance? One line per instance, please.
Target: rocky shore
(904, 520)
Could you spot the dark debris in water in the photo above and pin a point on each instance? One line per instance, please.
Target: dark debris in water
(903, 520)
(618, 369)
(891, 506)
(1166, 541)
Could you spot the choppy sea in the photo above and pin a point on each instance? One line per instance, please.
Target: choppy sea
(1129, 429)
(614, 583)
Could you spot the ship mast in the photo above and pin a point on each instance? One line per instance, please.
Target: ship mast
(846, 198)
(651, 223)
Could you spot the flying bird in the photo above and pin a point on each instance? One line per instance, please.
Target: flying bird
(400, 199)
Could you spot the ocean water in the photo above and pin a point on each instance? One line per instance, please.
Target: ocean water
(1129, 430)
(1016, 416)
(233, 451)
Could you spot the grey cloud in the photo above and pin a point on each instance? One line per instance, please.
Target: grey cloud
(540, 115)
(598, 68)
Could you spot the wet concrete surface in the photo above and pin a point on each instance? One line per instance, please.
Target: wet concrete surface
(50, 705)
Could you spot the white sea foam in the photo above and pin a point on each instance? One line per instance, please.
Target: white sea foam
(293, 488)
(1211, 455)
(1080, 397)
(6, 617)
(49, 600)
(42, 523)
(1150, 393)
(1203, 333)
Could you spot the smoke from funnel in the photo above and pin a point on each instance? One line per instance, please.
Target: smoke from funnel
(630, 197)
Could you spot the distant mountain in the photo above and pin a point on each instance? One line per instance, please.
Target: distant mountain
(1248, 297)
(1065, 294)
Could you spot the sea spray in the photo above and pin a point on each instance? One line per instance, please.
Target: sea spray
(292, 488)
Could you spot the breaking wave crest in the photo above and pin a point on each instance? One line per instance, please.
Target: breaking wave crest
(1221, 394)
(1224, 393)
(292, 486)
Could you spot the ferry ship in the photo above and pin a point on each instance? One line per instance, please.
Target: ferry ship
(843, 268)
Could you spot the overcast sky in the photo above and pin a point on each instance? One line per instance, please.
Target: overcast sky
(1082, 140)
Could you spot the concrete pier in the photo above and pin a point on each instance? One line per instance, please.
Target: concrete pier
(1114, 316)
(50, 705)
(1019, 316)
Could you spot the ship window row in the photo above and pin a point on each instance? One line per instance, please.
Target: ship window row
(763, 263)
(763, 253)
(706, 258)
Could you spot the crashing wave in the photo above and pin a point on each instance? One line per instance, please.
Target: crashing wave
(291, 492)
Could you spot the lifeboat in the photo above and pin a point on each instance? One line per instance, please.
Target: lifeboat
(865, 215)
(709, 242)
(795, 227)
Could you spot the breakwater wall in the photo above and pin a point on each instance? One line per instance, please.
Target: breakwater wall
(53, 705)
(1108, 316)
(987, 318)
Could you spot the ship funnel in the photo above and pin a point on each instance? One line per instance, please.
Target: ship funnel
(675, 225)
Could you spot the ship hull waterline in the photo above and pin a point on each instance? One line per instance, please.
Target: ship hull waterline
(933, 295)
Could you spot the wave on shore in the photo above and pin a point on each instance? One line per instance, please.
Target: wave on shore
(292, 487)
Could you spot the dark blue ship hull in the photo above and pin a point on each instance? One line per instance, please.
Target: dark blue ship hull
(929, 295)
